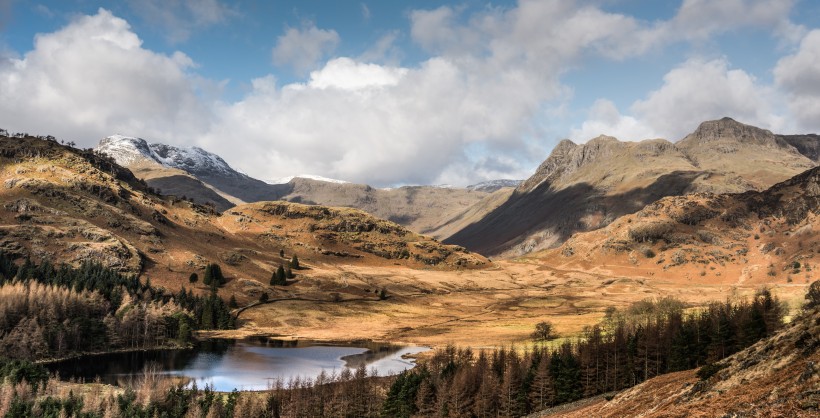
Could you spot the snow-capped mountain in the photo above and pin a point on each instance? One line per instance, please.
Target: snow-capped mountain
(288, 179)
(209, 179)
(127, 150)
(493, 185)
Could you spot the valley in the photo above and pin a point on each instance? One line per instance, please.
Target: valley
(363, 278)
(698, 248)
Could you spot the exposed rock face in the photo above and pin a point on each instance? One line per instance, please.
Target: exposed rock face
(582, 187)
(559, 161)
(730, 130)
(808, 145)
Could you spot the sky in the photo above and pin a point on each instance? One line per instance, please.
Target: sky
(392, 93)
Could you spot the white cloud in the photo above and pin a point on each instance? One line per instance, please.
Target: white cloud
(398, 127)
(701, 19)
(699, 90)
(798, 75)
(605, 119)
(302, 49)
(474, 110)
(365, 11)
(346, 74)
(93, 78)
(180, 18)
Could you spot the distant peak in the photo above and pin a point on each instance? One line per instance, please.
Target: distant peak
(604, 138)
(729, 130)
(127, 150)
(493, 185)
(566, 143)
(726, 122)
(288, 179)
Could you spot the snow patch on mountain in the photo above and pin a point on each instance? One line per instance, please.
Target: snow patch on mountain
(127, 150)
(285, 180)
(493, 185)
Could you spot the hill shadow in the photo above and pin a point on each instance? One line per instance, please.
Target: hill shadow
(561, 211)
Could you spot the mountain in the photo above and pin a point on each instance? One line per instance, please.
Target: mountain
(66, 205)
(582, 187)
(285, 180)
(494, 185)
(170, 169)
(207, 178)
(757, 237)
(808, 145)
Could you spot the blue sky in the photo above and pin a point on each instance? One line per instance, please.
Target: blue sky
(391, 93)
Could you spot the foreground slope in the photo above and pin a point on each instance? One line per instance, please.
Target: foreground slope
(585, 187)
(777, 377)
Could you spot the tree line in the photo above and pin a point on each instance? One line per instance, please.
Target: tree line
(647, 339)
(49, 311)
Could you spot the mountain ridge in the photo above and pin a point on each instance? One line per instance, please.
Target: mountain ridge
(188, 172)
(66, 205)
(582, 187)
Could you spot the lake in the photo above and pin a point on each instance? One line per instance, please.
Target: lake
(249, 364)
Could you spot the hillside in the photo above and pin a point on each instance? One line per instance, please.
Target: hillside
(777, 376)
(753, 237)
(587, 186)
(206, 178)
(66, 205)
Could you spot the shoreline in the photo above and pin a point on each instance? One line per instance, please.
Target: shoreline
(116, 351)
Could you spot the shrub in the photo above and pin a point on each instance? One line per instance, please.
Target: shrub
(709, 370)
(543, 331)
(650, 232)
(813, 295)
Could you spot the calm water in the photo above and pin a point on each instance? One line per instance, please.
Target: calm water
(251, 364)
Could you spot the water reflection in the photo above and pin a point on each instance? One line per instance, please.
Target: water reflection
(252, 364)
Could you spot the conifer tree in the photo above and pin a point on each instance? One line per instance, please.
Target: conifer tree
(279, 277)
(209, 275)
